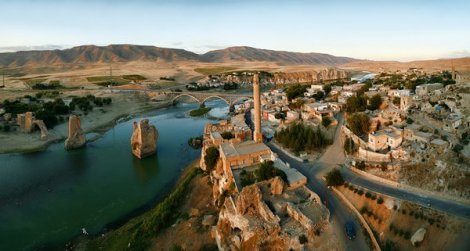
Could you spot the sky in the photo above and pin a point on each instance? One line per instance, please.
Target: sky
(366, 29)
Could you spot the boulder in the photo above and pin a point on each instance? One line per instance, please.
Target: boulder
(144, 139)
(76, 137)
(418, 237)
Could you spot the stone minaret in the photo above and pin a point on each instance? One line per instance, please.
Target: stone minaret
(258, 136)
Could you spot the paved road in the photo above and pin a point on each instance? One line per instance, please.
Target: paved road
(314, 173)
(334, 157)
(440, 204)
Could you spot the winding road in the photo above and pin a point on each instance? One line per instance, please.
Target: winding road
(334, 157)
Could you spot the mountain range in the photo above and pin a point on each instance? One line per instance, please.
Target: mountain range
(91, 54)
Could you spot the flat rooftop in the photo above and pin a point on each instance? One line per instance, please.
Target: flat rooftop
(244, 148)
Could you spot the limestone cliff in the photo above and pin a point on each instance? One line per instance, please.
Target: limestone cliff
(307, 76)
(76, 137)
(311, 76)
(144, 139)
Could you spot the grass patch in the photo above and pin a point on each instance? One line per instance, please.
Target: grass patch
(214, 70)
(134, 77)
(200, 111)
(140, 230)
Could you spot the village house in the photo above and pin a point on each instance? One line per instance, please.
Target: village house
(386, 139)
(425, 89)
(313, 90)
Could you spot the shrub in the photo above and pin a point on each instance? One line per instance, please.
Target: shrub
(303, 239)
(407, 235)
(368, 194)
(351, 187)
(403, 211)
(360, 192)
(380, 200)
(363, 210)
(356, 190)
(394, 207)
(373, 197)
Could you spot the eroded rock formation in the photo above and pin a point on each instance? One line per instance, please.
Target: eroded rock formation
(76, 137)
(144, 139)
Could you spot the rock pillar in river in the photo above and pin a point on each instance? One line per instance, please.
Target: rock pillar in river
(76, 137)
(144, 139)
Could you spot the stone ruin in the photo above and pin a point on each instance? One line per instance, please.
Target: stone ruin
(144, 139)
(266, 216)
(27, 122)
(76, 137)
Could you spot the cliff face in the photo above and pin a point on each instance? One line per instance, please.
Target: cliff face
(144, 139)
(280, 78)
(308, 76)
(76, 137)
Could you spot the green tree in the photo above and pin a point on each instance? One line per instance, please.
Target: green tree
(327, 89)
(375, 102)
(349, 146)
(356, 104)
(334, 178)
(212, 155)
(326, 121)
(359, 123)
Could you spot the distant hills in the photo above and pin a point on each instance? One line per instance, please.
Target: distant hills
(91, 54)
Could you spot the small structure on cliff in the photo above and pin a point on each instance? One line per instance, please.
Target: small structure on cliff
(144, 139)
(76, 137)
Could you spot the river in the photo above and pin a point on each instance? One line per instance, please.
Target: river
(47, 197)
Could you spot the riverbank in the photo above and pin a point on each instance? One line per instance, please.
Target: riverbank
(97, 121)
(137, 233)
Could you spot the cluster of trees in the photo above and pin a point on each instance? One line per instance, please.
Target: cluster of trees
(230, 86)
(358, 123)
(265, 171)
(167, 78)
(299, 137)
(17, 107)
(193, 86)
(212, 155)
(50, 86)
(356, 104)
(295, 91)
(375, 102)
(85, 103)
(227, 135)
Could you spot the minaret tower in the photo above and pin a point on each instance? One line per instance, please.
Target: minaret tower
(258, 136)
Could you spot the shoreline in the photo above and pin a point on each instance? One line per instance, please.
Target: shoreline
(80, 241)
(99, 129)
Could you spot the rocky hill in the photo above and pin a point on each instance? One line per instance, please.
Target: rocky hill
(91, 54)
(244, 53)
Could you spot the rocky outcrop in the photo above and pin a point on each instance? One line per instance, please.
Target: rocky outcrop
(418, 237)
(144, 139)
(76, 137)
(308, 76)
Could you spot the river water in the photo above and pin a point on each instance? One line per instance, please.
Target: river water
(47, 197)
